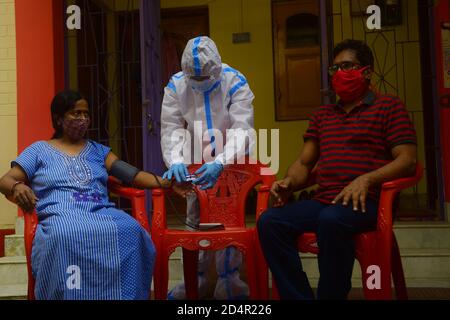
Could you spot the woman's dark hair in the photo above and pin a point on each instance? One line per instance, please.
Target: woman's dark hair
(362, 51)
(64, 101)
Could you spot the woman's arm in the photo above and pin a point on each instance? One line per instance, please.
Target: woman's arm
(15, 174)
(13, 185)
(143, 180)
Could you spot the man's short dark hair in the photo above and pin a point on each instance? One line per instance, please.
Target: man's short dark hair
(362, 51)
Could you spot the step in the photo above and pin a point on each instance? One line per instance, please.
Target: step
(425, 250)
(20, 225)
(422, 268)
(14, 245)
(420, 235)
(13, 292)
(13, 271)
(426, 267)
(176, 266)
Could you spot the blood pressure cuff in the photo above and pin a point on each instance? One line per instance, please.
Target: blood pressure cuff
(123, 171)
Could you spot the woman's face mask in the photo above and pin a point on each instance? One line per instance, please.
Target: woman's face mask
(76, 128)
(76, 121)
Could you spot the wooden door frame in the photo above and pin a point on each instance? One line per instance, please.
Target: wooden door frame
(429, 95)
(326, 49)
(441, 13)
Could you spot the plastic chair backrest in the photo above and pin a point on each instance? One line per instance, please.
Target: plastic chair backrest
(226, 202)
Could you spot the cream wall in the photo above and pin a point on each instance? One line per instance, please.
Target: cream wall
(8, 103)
(399, 46)
(254, 60)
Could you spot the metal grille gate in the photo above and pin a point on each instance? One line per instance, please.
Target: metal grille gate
(103, 64)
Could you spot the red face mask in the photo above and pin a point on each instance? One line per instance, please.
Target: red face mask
(350, 85)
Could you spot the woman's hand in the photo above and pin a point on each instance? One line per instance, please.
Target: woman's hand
(24, 197)
(183, 189)
(281, 191)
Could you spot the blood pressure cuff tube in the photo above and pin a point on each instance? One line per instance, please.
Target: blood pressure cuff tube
(123, 171)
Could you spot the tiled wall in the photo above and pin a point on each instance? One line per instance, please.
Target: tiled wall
(8, 103)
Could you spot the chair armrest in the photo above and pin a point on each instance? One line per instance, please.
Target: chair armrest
(262, 202)
(404, 183)
(116, 187)
(137, 198)
(388, 192)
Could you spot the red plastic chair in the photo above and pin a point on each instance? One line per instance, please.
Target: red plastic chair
(225, 203)
(137, 198)
(377, 248)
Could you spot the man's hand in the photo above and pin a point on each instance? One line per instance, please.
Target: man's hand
(281, 190)
(357, 192)
(24, 197)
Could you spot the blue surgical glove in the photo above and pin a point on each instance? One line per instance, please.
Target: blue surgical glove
(211, 172)
(177, 170)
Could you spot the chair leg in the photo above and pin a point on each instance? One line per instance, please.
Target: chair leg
(190, 269)
(31, 285)
(252, 276)
(383, 293)
(161, 275)
(262, 272)
(275, 293)
(397, 272)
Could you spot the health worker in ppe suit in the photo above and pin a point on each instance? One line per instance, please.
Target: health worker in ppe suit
(213, 97)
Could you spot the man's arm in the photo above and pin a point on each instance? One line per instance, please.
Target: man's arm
(403, 165)
(298, 173)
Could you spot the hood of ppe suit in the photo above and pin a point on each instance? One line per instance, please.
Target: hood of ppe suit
(201, 58)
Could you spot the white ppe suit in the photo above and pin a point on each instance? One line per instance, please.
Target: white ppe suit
(213, 106)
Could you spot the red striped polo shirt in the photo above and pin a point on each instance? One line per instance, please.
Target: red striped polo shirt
(352, 144)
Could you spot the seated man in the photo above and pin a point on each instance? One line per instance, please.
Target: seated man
(65, 180)
(356, 145)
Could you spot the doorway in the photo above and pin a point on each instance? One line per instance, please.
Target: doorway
(178, 26)
(103, 64)
(302, 37)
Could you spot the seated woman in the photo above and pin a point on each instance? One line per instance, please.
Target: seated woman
(79, 228)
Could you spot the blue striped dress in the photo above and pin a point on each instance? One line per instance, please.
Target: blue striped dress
(84, 247)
